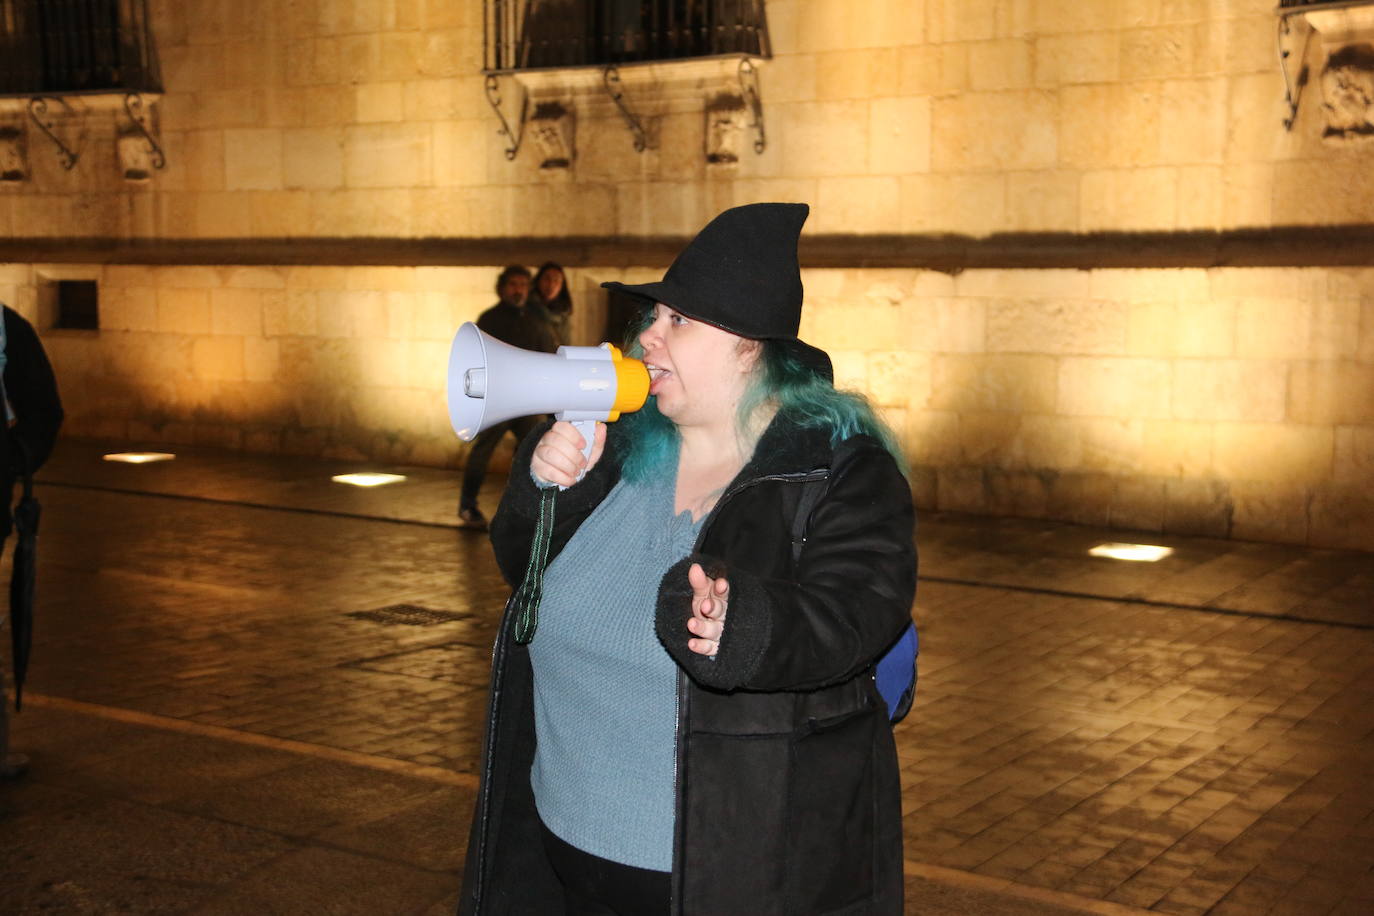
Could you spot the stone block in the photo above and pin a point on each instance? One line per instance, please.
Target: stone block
(1043, 201)
(314, 158)
(202, 161)
(1200, 199)
(237, 312)
(932, 437)
(933, 69)
(398, 54)
(862, 73)
(1115, 387)
(821, 138)
(898, 378)
(1177, 448)
(1197, 508)
(1247, 194)
(1046, 443)
(1018, 493)
(1137, 503)
(970, 204)
(960, 20)
(1192, 124)
(1060, 326)
(261, 359)
(1334, 329)
(387, 156)
(1113, 446)
(1337, 393)
(899, 136)
(1157, 53)
(870, 205)
(1129, 199)
(1365, 352)
(1230, 389)
(1342, 517)
(1269, 512)
(924, 487)
(1023, 384)
(126, 308)
(218, 359)
(854, 326)
(960, 489)
(1001, 64)
(253, 159)
(183, 311)
(1198, 329)
(1081, 498)
(1328, 191)
(947, 325)
(225, 214)
(1109, 126)
(1354, 455)
(1076, 58)
(1014, 284)
(439, 100)
(985, 438)
(994, 130)
(1288, 455)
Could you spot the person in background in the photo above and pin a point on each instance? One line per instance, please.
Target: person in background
(33, 415)
(510, 321)
(690, 725)
(549, 293)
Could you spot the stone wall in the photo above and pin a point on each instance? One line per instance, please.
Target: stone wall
(1225, 402)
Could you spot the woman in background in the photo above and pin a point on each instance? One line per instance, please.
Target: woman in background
(550, 293)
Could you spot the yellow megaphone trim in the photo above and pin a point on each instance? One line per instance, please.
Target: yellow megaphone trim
(631, 384)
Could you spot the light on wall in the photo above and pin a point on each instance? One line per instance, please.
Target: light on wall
(139, 457)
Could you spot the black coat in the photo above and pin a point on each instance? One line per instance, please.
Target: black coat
(788, 795)
(32, 392)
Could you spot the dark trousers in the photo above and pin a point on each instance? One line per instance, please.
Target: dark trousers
(475, 471)
(593, 886)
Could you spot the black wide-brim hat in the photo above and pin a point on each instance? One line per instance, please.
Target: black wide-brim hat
(742, 275)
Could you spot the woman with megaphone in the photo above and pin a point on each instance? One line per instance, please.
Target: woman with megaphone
(692, 725)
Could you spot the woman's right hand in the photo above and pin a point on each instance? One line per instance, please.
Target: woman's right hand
(558, 457)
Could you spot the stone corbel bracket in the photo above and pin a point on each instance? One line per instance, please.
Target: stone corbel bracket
(640, 94)
(1346, 29)
(14, 155)
(139, 152)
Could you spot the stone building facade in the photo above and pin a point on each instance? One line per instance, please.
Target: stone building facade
(1071, 249)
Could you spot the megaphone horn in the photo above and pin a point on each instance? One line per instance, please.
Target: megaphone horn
(490, 382)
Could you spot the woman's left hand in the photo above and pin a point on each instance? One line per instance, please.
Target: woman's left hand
(710, 600)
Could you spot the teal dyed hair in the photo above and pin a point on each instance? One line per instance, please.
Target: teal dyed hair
(801, 395)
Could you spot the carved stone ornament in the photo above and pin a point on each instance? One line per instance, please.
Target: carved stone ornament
(1348, 92)
(135, 157)
(726, 119)
(553, 127)
(14, 158)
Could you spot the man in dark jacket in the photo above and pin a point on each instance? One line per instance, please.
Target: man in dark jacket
(33, 414)
(509, 321)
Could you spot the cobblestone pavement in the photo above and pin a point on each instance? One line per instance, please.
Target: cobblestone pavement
(1190, 736)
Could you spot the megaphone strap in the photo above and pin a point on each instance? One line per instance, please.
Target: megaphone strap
(531, 590)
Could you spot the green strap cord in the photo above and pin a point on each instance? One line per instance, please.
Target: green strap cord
(531, 590)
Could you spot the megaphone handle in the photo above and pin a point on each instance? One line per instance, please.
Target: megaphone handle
(588, 430)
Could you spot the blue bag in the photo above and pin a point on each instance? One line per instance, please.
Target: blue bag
(895, 672)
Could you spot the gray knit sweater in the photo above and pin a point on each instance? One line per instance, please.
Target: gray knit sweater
(605, 690)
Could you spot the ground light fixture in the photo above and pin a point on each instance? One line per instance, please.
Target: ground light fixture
(368, 479)
(139, 457)
(1140, 553)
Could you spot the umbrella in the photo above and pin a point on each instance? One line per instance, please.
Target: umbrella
(21, 585)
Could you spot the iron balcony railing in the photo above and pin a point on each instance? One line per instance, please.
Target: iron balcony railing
(52, 47)
(527, 34)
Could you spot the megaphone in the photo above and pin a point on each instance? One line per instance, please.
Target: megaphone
(490, 382)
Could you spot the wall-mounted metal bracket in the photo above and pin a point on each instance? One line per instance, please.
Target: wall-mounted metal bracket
(749, 91)
(133, 105)
(38, 111)
(1292, 85)
(610, 77)
(493, 87)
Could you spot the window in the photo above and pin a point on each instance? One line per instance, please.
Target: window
(78, 305)
(527, 34)
(74, 46)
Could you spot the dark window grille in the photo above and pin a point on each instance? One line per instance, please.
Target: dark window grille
(50, 47)
(527, 34)
(78, 305)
